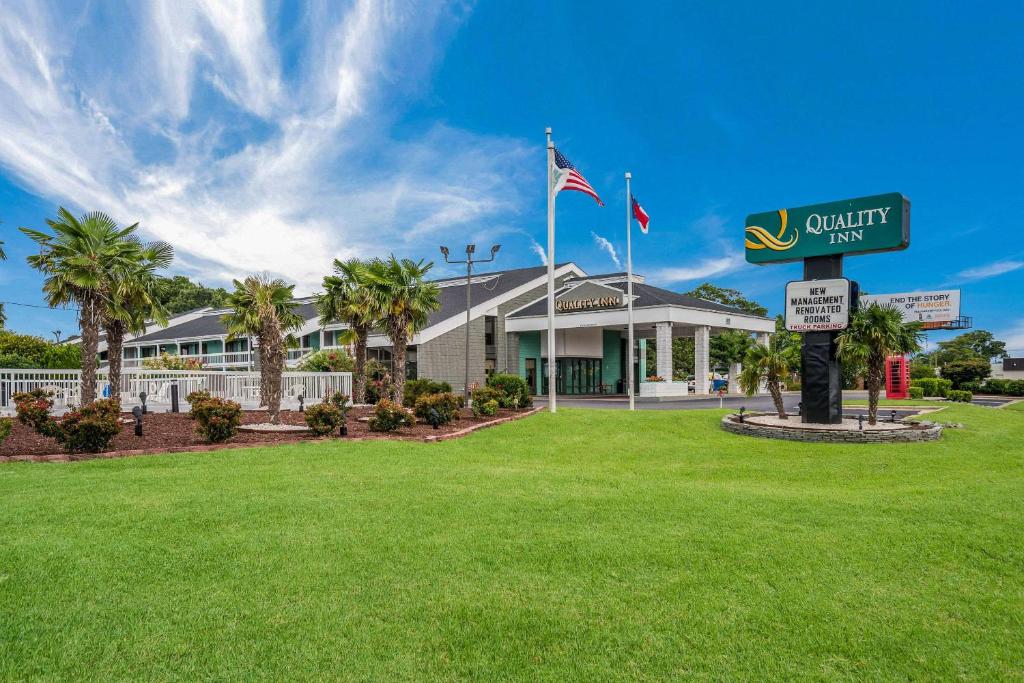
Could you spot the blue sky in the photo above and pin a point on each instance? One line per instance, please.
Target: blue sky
(274, 137)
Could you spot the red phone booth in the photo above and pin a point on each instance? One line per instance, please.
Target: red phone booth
(897, 377)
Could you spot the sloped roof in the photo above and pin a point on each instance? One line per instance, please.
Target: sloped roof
(488, 286)
(209, 325)
(646, 296)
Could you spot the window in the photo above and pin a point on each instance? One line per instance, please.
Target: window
(489, 330)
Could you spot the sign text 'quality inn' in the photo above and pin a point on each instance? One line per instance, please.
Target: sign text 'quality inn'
(851, 226)
(586, 304)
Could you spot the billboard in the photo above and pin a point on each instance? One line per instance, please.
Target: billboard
(939, 306)
(818, 305)
(850, 226)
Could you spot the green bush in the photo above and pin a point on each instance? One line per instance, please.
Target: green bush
(933, 386)
(26, 351)
(61, 357)
(197, 397)
(327, 360)
(921, 370)
(216, 419)
(995, 386)
(916, 392)
(485, 394)
(414, 388)
(388, 416)
(6, 425)
(1015, 387)
(14, 361)
(959, 395)
(485, 409)
(446, 404)
(323, 418)
(966, 370)
(515, 391)
(33, 409)
(89, 429)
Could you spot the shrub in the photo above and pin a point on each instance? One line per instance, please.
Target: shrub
(967, 370)
(944, 387)
(654, 378)
(933, 386)
(486, 409)
(1015, 387)
(414, 388)
(323, 418)
(388, 416)
(341, 402)
(216, 419)
(916, 392)
(197, 397)
(327, 360)
(61, 357)
(920, 370)
(89, 429)
(33, 409)
(446, 404)
(166, 361)
(515, 391)
(485, 394)
(14, 361)
(6, 425)
(959, 395)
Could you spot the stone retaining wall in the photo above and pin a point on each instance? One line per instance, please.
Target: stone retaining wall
(930, 433)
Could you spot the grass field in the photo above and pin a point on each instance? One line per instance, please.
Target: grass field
(591, 545)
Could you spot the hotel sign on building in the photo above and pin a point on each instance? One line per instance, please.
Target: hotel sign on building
(589, 296)
(851, 226)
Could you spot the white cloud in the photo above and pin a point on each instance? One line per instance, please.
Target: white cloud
(990, 270)
(540, 251)
(244, 157)
(1014, 338)
(701, 270)
(607, 247)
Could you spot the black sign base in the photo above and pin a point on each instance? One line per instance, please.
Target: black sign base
(821, 390)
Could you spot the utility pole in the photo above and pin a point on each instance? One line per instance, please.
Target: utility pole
(469, 261)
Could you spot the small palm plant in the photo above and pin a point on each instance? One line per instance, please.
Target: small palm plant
(264, 308)
(768, 364)
(875, 333)
(403, 301)
(346, 299)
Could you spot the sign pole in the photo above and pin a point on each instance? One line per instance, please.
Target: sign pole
(552, 362)
(629, 293)
(821, 391)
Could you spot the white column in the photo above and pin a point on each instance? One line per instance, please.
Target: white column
(663, 337)
(763, 338)
(701, 360)
(734, 378)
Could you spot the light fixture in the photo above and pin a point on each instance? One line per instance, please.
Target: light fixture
(470, 248)
(444, 251)
(494, 249)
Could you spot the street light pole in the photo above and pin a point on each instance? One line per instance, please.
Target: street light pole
(469, 261)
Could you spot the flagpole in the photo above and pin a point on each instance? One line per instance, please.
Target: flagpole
(629, 290)
(552, 360)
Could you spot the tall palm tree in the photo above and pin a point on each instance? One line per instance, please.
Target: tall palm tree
(875, 333)
(132, 300)
(81, 260)
(768, 364)
(346, 299)
(264, 308)
(403, 301)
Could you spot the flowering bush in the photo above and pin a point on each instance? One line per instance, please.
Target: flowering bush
(447, 406)
(655, 378)
(388, 416)
(33, 409)
(216, 419)
(89, 429)
(327, 360)
(166, 361)
(484, 394)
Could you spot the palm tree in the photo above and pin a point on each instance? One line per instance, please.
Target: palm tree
(81, 260)
(768, 364)
(265, 309)
(132, 300)
(875, 333)
(346, 299)
(403, 301)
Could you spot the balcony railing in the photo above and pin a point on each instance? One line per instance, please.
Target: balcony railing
(230, 359)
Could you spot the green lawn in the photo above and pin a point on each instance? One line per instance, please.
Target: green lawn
(591, 545)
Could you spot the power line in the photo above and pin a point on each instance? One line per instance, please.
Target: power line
(16, 303)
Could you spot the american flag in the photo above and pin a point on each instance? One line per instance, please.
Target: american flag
(566, 177)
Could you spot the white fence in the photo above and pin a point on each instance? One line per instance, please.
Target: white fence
(66, 385)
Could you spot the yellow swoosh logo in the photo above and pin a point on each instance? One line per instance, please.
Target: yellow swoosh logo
(762, 239)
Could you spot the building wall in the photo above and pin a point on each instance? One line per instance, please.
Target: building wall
(443, 358)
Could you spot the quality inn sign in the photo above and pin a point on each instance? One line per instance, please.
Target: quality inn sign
(851, 226)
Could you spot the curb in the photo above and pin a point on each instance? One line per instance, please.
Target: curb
(468, 430)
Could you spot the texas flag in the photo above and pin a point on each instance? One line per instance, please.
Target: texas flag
(640, 215)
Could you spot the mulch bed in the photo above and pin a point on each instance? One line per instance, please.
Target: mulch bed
(170, 432)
